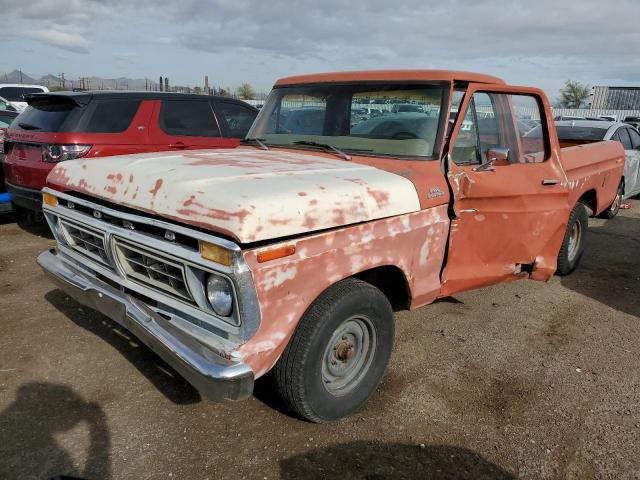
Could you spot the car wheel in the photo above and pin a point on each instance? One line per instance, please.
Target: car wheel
(614, 208)
(574, 240)
(338, 353)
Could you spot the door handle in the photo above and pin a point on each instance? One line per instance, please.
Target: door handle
(550, 181)
(178, 145)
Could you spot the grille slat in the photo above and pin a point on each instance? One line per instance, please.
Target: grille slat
(152, 270)
(86, 241)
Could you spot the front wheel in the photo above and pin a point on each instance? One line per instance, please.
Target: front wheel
(338, 353)
(574, 240)
(613, 210)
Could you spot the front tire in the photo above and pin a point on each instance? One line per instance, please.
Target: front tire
(574, 240)
(338, 353)
(614, 208)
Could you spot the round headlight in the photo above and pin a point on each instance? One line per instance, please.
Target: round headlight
(220, 295)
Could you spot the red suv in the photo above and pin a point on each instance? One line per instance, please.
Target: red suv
(67, 125)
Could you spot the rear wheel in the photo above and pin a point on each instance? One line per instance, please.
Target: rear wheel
(614, 208)
(574, 240)
(338, 354)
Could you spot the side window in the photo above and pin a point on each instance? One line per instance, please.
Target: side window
(478, 133)
(532, 136)
(500, 120)
(239, 119)
(635, 139)
(188, 118)
(465, 150)
(622, 136)
(111, 116)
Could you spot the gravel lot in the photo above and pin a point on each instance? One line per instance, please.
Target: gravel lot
(526, 380)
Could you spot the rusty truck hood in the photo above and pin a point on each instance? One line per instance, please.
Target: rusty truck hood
(248, 194)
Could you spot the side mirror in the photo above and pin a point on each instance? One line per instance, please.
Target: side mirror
(495, 157)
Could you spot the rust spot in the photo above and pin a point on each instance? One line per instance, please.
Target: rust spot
(130, 177)
(302, 194)
(313, 202)
(277, 221)
(214, 213)
(157, 187)
(309, 222)
(111, 189)
(381, 197)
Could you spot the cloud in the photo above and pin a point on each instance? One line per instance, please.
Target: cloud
(536, 43)
(72, 42)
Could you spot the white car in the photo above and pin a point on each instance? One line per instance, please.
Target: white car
(585, 131)
(14, 93)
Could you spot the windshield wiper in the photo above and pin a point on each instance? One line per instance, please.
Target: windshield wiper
(28, 126)
(259, 141)
(337, 151)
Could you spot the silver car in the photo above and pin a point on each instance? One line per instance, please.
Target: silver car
(583, 131)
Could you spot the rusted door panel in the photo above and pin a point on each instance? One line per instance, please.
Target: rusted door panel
(506, 221)
(503, 220)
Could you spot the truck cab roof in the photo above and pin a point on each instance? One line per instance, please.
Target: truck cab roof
(391, 75)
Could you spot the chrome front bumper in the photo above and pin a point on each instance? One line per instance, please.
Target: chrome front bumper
(215, 377)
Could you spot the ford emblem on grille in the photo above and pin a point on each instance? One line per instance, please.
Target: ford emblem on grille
(97, 214)
(169, 235)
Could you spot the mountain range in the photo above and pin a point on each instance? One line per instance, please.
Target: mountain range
(93, 83)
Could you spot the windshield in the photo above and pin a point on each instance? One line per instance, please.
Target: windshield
(376, 119)
(49, 114)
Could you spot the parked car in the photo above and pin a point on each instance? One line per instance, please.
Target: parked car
(6, 117)
(14, 93)
(407, 107)
(633, 121)
(586, 131)
(5, 105)
(567, 117)
(63, 126)
(291, 252)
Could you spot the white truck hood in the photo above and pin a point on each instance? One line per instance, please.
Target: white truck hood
(248, 194)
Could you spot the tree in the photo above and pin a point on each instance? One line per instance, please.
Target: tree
(574, 94)
(246, 92)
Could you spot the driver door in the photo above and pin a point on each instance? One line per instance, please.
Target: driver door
(510, 199)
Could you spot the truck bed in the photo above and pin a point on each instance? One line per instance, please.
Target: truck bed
(593, 170)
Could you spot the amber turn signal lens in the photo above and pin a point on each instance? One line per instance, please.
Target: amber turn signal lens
(49, 199)
(216, 253)
(276, 253)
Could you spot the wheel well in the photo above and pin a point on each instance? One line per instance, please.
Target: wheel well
(391, 281)
(589, 198)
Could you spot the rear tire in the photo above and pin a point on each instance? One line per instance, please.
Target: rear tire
(614, 208)
(574, 240)
(338, 353)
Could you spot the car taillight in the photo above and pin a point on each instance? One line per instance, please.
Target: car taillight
(59, 153)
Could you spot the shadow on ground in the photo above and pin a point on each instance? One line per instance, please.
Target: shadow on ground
(378, 461)
(29, 427)
(163, 377)
(609, 270)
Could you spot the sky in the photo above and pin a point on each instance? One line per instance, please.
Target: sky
(535, 43)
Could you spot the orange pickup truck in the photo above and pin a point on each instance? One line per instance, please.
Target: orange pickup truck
(354, 195)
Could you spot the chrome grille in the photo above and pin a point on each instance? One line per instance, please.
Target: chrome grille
(152, 270)
(85, 240)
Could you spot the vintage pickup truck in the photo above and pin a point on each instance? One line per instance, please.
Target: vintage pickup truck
(292, 252)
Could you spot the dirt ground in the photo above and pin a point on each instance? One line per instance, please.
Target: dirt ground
(526, 380)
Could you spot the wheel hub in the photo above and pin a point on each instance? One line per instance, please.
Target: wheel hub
(348, 355)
